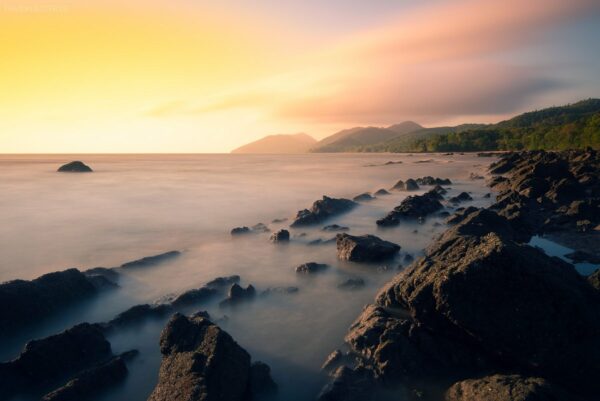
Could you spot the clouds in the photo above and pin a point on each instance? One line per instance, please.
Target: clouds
(436, 61)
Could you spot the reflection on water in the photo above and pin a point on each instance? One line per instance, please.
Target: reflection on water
(551, 248)
(134, 206)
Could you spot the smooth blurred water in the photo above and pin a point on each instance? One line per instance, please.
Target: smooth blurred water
(134, 206)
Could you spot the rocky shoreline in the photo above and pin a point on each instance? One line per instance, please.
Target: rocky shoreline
(483, 315)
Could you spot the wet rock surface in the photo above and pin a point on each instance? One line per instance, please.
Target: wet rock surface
(203, 362)
(412, 208)
(321, 210)
(365, 248)
(74, 167)
(26, 302)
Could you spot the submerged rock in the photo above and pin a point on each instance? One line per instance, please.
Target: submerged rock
(352, 283)
(74, 167)
(240, 230)
(335, 227)
(412, 208)
(429, 180)
(408, 185)
(140, 313)
(202, 362)
(93, 381)
(151, 260)
(26, 302)
(320, 241)
(54, 357)
(381, 192)
(322, 210)
(364, 248)
(311, 267)
(194, 296)
(280, 236)
(222, 282)
(365, 197)
(279, 290)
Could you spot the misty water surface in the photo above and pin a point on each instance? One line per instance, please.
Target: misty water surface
(135, 206)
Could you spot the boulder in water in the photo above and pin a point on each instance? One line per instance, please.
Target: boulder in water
(365, 248)
(74, 167)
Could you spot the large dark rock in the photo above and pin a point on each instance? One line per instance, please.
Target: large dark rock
(365, 248)
(26, 302)
(412, 208)
(151, 260)
(92, 382)
(506, 388)
(202, 362)
(321, 210)
(74, 167)
(350, 385)
(43, 361)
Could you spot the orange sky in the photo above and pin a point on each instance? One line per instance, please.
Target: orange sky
(180, 76)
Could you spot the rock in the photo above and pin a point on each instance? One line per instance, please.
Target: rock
(408, 185)
(279, 290)
(486, 154)
(333, 360)
(364, 197)
(93, 381)
(201, 313)
(352, 283)
(582, 256)
(429, 180)
(487, 196)
(462, 197)
(311, 267)
(412, 208)
(202, 362)
(151, 260)
(55, 357)
(280, 236)
(594, 279)
(475, 176)
(350, 385)
(260, 379)
(139, 313)
(260, 228)
(194, 296)
(364, 248)
(32, 301)
(335, 227)
(74, 167)
(240, 230)
(439, 190)
(276, 221)
(222, 282)
(408, 258)
(506, 388)
(381, 192)
(460, 215)
(238, 294)
(322, 210)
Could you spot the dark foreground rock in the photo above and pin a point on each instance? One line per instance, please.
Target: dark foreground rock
(350, 385)
(151, 260)
(412, 208)
(321, 210)
(479, 302)
(74, 167)
(507, 388)
(365, 248)
(43, 361)
(26, 302)
(202, 362)
(92, 382)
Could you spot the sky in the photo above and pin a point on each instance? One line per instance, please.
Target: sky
(195, 76)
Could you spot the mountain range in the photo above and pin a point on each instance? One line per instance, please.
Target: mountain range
(575, 125)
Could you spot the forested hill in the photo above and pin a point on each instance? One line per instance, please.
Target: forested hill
(573, 126)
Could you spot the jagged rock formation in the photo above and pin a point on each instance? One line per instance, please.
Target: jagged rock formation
(364, 248)
(413, 208)
(321, 210)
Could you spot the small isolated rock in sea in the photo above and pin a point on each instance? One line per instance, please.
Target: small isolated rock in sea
(240, 230)
(429, 180)
(279, 290)
(382, 192)
(335, 227)
(411, 208)
(321, 241)
(260, 228)
(365, 248)
(280, 236)
(93, 381)
(322, 210)
(74, 167)
(151, 260)
(408, 185)
(238, 294)
(475, 176)
(352, 283)
(365, 197)
(203, 362)
(276, 221)
(311, 267)
(462, 197)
